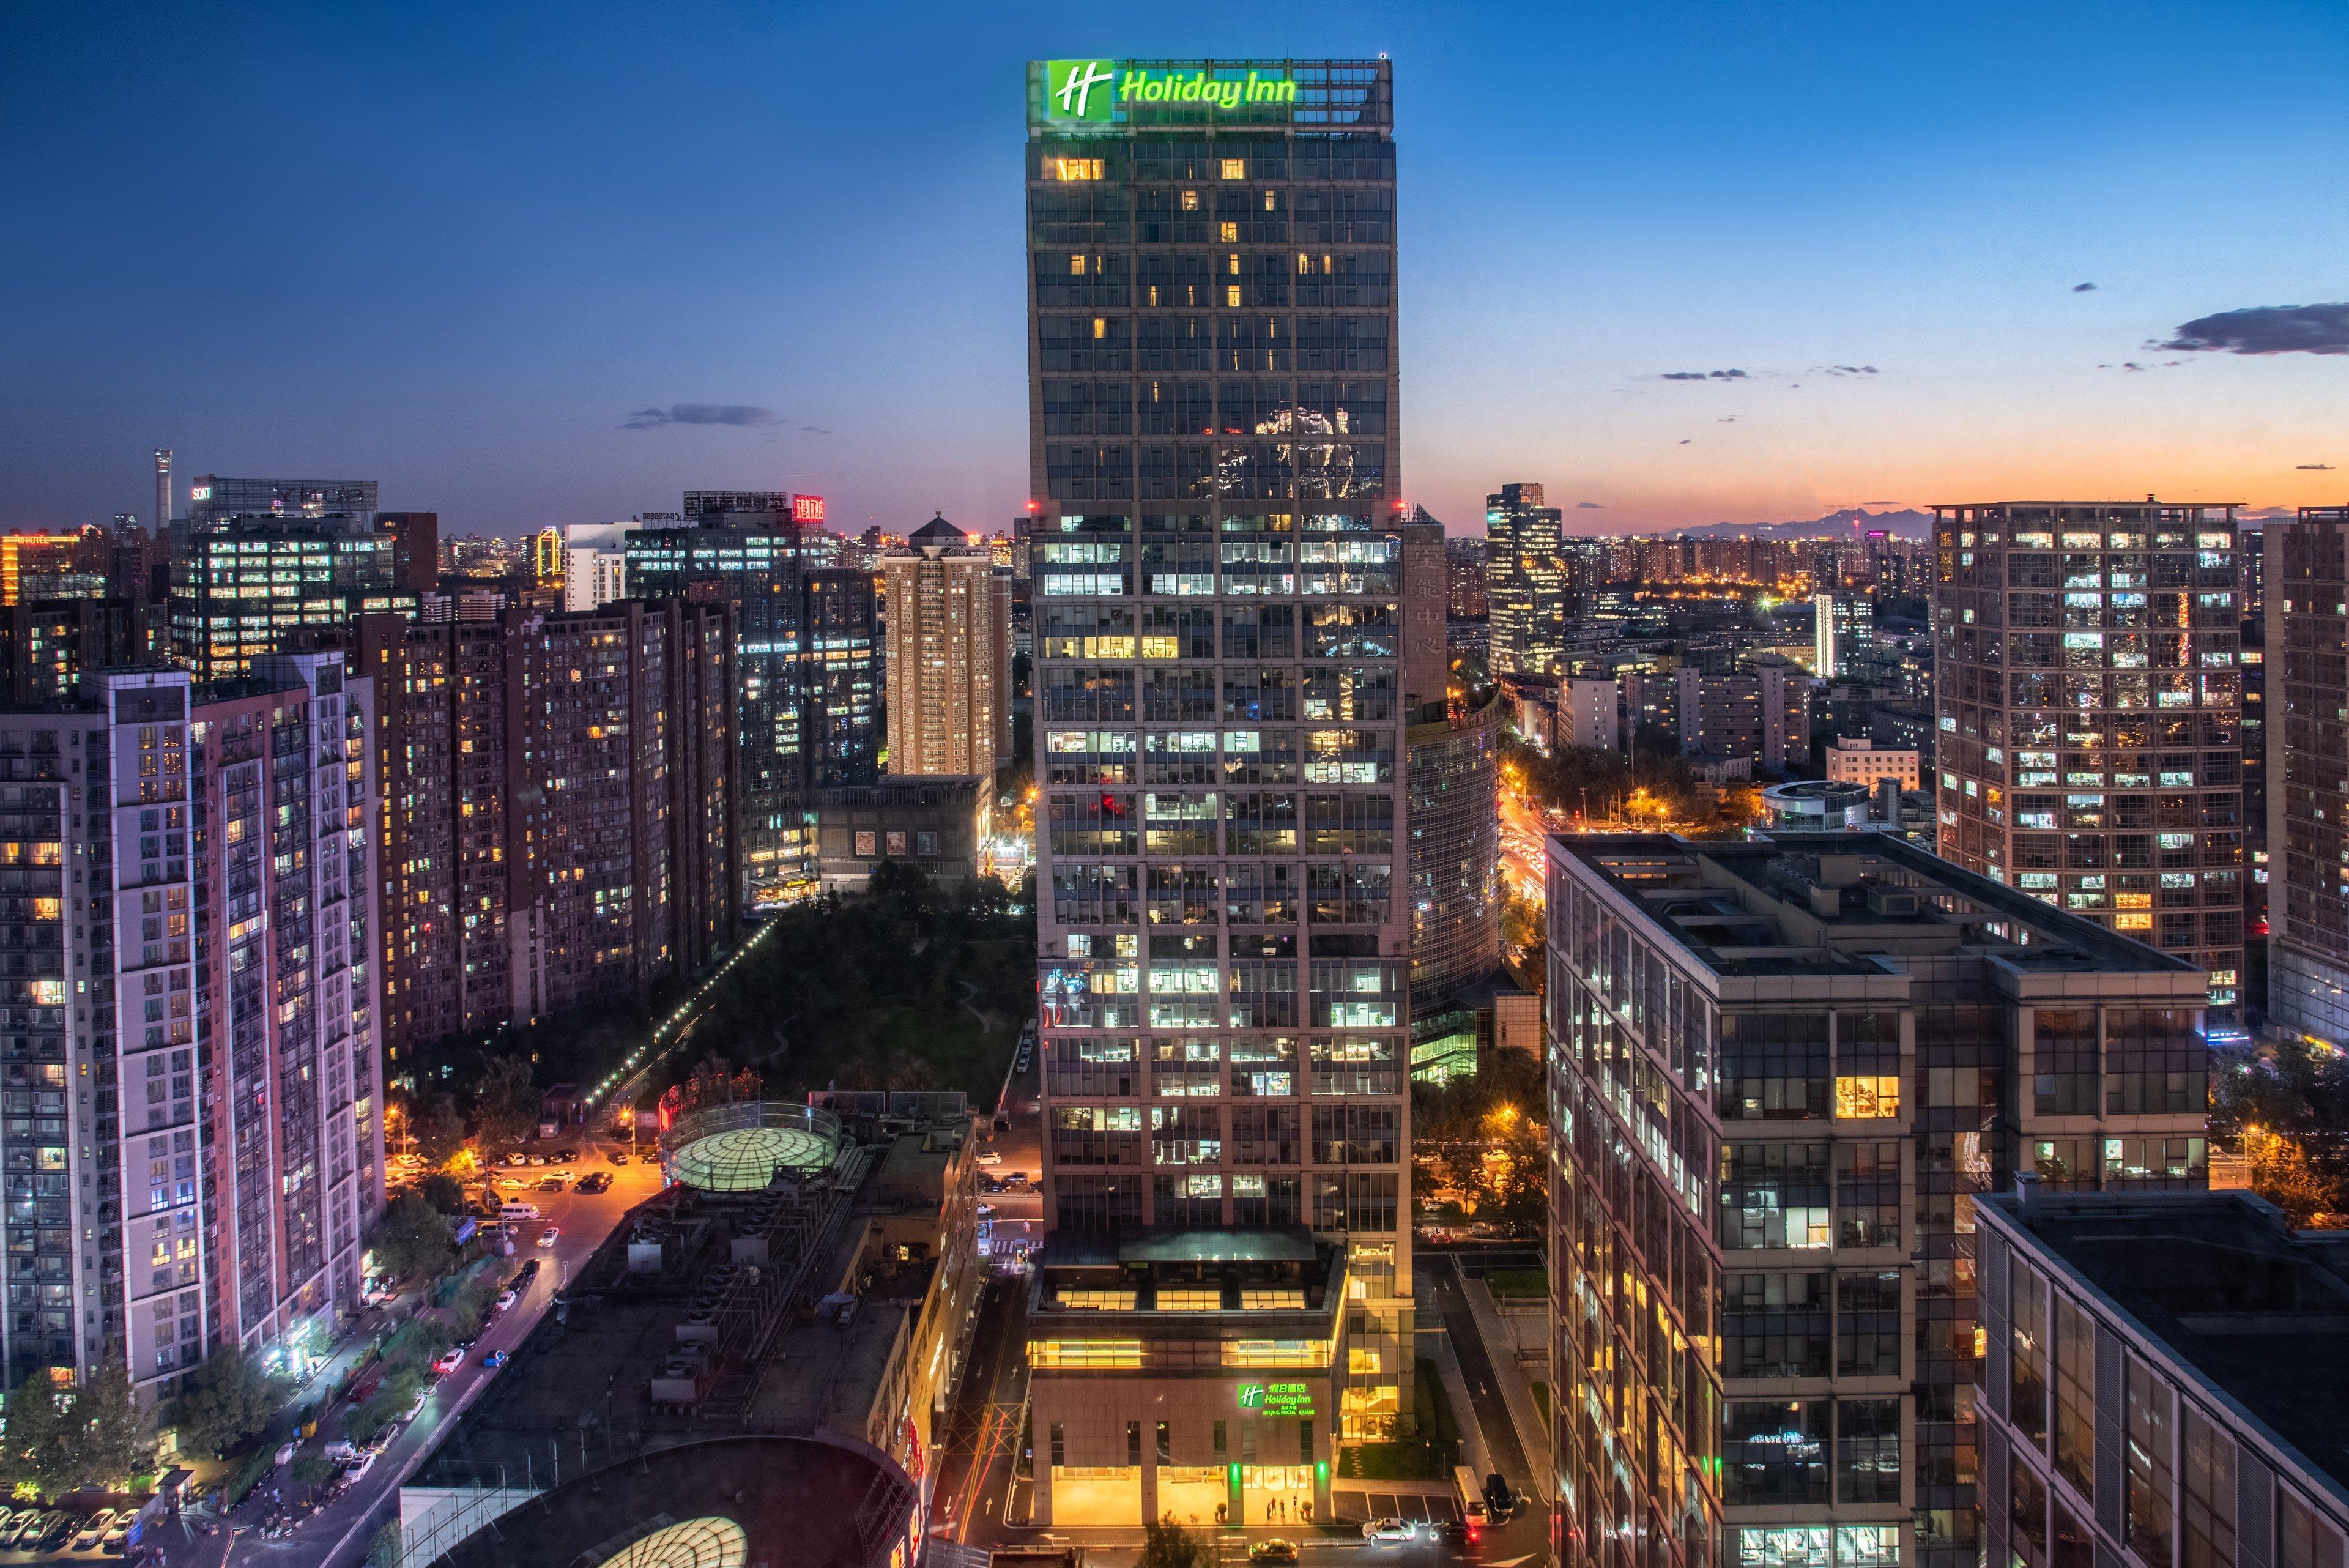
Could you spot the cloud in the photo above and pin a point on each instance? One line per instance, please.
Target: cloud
(1732, 374)
(814, 429)
(1843, 369)
(1684, 441)
(1727, 419)
(2134, 365)
(739, 414)
(2267, 329)
(1588, 506)
(2083, 289)
(2315, 467)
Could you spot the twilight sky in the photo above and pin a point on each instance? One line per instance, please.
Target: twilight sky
(522, 262)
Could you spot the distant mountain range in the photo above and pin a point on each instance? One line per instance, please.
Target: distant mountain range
(1852, 522)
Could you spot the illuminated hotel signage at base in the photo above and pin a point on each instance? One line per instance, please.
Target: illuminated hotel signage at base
(1276, 1398)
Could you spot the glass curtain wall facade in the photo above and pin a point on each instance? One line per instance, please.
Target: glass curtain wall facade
(2090, 712)
(2307, 617)
(1782, 1075)
(1216, 559)
(809, 709)
(1525, 577)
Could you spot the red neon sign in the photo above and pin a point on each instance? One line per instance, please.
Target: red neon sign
(807, 508)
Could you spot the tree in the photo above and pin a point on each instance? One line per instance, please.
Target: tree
(2282, 1173)
(443, 1191)
(224, 1401)
(383, 1549)
(38, 1438)
(412, 1237)
(107, 1436)
(507, 1104)
(313, 1469)
(1166, 1544)
(438, 1130)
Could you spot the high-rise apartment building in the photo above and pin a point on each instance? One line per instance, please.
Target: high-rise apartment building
(1466, 598)
(188, 1165)
(2089, 702)
(807, 712)
(1782, 1075)
(2308, 773)
(1224, 947)
(1763, 713)
(1844, 634)
(557, 818)
(949, 656)
(1525, 581)
(289, 1044)
(259, 562)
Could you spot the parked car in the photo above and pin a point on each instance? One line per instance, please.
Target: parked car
(552, 1184)
(528, 1272)
(546, 1238)
(55, 1528)
(564, 1156)
(13, 1524)
(495, 1359)
(417, 1408)
(538, 1159)
(1273, 1551)
(285, 1454)
(506, 1299)
(450, 1359)
(1388, 1531)
(94, 1529)
(618, 1157)
(118, 1540)
(989, 1157)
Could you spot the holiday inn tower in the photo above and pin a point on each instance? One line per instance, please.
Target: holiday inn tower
(1225, 663)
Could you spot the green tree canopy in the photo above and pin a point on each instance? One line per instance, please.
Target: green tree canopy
(507, 1104)
(224, 1401)
(1166, 1544)
(412, 1237)
(440, 1131)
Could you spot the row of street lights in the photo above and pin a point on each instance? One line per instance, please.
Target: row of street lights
(668, 1027)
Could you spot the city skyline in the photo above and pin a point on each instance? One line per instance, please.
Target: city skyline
(1731, 306)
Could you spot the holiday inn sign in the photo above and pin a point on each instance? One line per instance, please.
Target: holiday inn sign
(1094, 90)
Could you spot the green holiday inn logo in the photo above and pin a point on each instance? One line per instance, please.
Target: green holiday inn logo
(1094, 89)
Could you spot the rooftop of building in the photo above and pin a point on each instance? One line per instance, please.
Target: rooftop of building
(2260, 1312)
(1822, 904)
(710, 1313)
(1241, 1274)
(737, 1499)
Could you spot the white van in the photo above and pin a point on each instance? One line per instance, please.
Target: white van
(512, 1211)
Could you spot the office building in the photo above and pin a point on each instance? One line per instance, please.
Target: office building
(47, 648)
(1453, 810)
(935, 823)
(1856, 760)
(2165, 1383)
(949, 655)
(26, 554)
(2307, 648)
(2090, 713)
(260, 561)
(1465, 595)
(1525, 581)
(1843, 636)
(415, 548)
(1783, 1075)
(807, 712)
(557, 821)
(1221, 700)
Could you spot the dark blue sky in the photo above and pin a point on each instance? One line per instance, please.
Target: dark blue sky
(455, 247)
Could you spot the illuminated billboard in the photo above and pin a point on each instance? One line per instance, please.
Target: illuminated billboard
(1080, 91)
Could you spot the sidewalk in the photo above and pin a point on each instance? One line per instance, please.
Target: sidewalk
(1517, 1389)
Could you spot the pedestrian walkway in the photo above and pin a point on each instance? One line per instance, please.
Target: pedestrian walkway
(1424, 1501)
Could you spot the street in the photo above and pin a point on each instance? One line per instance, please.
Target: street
(339, 1534)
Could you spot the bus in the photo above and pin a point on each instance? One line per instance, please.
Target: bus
(1472, 1494)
